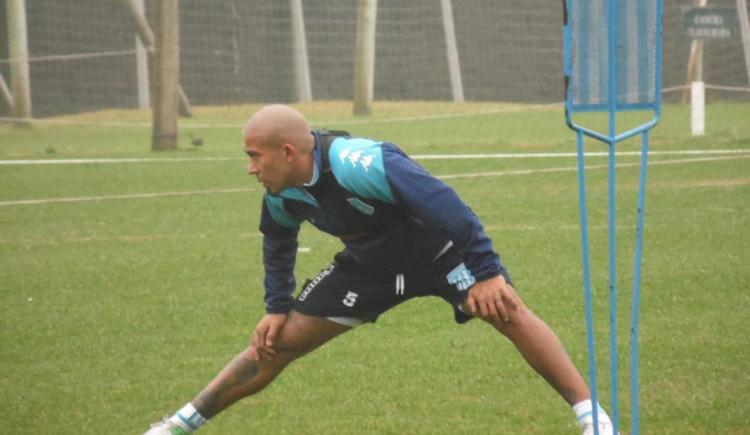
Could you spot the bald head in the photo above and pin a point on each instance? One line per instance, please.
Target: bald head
(280, 146)
(276, 125)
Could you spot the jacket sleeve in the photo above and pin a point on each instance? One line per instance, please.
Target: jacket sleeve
(437, 205)
(280, 231)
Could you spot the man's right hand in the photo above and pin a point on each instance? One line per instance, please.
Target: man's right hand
(264, 336)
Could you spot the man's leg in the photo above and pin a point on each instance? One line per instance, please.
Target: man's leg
(244, 376)
(544, 352)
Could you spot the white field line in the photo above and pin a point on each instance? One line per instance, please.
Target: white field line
(78, 122)
(126, 196)
(443, 177)
(125, 160)
(415, 157)
(571, 154)
(575, 168)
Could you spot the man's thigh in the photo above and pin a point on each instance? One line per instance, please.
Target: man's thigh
(301, 333)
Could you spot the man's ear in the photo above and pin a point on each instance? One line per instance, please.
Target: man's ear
(290, 152)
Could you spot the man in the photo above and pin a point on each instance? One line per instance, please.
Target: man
(406, 234)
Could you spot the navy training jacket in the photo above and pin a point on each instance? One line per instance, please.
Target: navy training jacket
(390, 213)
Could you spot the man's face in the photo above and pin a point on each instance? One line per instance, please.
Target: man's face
(269, 165)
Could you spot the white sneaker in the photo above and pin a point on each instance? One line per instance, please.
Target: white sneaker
(166, 427)
(605, 428)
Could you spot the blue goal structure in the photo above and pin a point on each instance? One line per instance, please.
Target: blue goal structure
(613, 55)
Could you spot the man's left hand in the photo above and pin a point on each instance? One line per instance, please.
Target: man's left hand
(263, 338)
(492, 300)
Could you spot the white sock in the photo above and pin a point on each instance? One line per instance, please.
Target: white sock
(584, 413)
(188, 418)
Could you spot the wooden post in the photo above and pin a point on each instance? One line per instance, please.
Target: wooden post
(364, 57)
(167, 69)
(147, 38)
(18, 49)
(454, 66)
(301, 66)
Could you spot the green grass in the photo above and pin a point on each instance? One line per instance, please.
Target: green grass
(115, 312)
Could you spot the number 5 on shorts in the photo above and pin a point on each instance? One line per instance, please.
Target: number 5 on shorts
(350, 299)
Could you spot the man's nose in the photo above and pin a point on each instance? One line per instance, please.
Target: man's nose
(251, 169)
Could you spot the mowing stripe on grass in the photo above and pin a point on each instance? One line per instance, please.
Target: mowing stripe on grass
(416, 157)
(443, 177)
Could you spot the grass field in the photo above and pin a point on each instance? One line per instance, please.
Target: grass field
(129, 285)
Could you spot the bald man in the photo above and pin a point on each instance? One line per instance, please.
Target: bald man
(406, 234)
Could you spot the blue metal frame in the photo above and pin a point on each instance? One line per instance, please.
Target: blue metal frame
(611, 139)
(621, 107)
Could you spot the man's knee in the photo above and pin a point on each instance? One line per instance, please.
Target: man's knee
(275, 363)
(519, 319)
(299, 335)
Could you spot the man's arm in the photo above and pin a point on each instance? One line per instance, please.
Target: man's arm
(437, 205)
(280, 230)
(279, 257)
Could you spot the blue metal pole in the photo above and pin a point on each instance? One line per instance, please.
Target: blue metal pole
(613, 289)
(587, 279)
(637, 285)
(612, 88)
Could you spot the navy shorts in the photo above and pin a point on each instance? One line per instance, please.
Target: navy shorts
(347, 289)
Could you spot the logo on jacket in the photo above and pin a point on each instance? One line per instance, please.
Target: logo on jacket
(461, 277)
(354, 157)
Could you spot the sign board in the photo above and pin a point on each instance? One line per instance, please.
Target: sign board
(710, 23)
